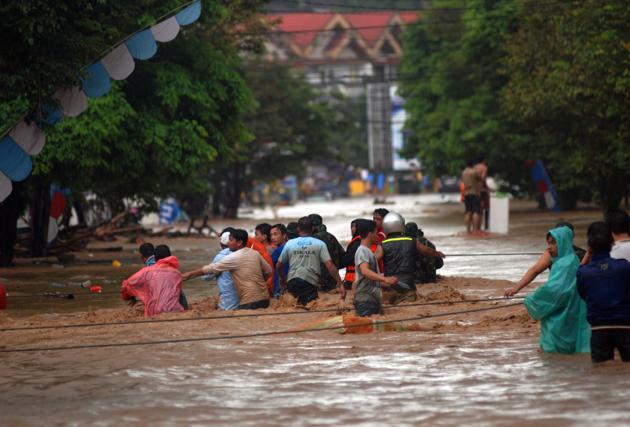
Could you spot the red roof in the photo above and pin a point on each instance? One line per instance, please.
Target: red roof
(308, 23)
(369, 25)
(303, 27)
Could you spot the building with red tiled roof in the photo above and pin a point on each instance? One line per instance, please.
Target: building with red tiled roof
(340, 49)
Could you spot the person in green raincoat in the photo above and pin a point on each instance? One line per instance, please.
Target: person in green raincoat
(561, 311)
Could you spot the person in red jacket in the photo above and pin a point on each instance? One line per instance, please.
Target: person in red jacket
(158, 286)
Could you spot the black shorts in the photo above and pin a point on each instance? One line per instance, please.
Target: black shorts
(302, 290)
(366, 308)
(472, 203)
(604, 342)
(263, 303)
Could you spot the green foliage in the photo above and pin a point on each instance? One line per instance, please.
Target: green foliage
(159, 132)
(454, 58)
(520, 80)
(569, 83)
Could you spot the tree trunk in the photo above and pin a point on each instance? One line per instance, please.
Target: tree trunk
(10, 210)
(234, 188)
(40, 213)
(612, 189)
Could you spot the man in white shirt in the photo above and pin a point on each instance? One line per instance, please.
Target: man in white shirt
(249, 272)
(619, 226)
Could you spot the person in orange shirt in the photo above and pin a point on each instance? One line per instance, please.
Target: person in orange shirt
(259, 247)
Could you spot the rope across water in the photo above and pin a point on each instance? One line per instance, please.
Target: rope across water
(241, 336)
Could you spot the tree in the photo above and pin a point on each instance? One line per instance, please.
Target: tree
(569, 83)
(290, 126)
(153, 135)
(451, 82)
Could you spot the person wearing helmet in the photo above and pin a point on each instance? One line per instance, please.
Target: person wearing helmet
(399, 254)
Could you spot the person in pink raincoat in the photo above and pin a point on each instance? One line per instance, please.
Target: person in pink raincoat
(157, 286)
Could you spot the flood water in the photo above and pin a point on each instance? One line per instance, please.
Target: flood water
(319, 378)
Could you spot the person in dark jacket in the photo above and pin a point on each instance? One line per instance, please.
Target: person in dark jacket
(399, 254)
(426, 266)
(334, 249)
(604, 284)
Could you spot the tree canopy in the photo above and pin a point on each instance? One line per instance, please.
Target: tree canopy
(518, 80)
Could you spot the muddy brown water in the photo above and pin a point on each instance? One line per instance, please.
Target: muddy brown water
(468, 369)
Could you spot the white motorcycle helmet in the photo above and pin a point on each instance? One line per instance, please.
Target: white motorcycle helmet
(393, 223)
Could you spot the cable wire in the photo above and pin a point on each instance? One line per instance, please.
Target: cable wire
(242, 336)
(238, 316)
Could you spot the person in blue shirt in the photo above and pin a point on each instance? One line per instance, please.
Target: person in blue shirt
(228, 297)
(278, 238)
(604, 284)
(305, 255)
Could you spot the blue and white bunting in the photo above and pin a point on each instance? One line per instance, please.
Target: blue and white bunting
(190, 14)
(142, 45)
(96, 81)
(14, 162)
(28, 138)
(5, 186)
(166, 30)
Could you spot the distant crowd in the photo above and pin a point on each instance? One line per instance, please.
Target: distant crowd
(383, 262)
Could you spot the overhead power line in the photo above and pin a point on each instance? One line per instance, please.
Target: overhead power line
(526, 7)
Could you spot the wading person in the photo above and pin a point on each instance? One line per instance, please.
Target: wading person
(305, 254)
(366, 290)
(604, 284)
(399, 254)
(347, 260)
(228, 297)
(249, 272)
(262, 233)
(147, 254)
(561, 311)
(619, 224)
(544, 262)
(278, 238)
(426, 266)
(335, 250)
(158, 286)
(259, 247)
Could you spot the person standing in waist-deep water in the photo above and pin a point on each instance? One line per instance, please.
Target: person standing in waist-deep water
(305, 254)
(561, 311)
(262, 233)
(249, 272)
(147, 254)
(472, 198)
(347, 260)
(399, 254)
(426, 266)
(366, 289)
(228, 297)
(279, 238)
(543, 263)
(335, 250)
(157, 286)
(604, 284)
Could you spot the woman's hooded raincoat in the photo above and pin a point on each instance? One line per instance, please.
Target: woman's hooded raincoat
(561, 311)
